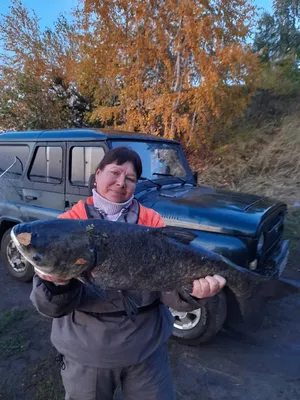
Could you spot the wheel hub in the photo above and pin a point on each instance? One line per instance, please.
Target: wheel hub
(186, 320)
(15, 259)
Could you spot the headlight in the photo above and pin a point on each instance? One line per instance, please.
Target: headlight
(260, 243)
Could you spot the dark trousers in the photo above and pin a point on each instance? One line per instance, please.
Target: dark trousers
(149, 380)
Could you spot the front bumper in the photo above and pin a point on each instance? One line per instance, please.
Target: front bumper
(274, 266)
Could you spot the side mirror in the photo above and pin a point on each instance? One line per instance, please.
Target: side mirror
(195, 175)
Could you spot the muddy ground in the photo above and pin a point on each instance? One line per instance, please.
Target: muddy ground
(264, 365)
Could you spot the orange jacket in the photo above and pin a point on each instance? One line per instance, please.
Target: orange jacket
(147, 216)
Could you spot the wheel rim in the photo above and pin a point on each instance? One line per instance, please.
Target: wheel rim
(186, 320)
(15, 259)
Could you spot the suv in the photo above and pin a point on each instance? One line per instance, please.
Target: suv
(44, 173)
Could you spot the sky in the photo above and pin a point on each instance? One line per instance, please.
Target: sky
(49, 11)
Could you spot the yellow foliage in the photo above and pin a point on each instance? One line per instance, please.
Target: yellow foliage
(173, 68)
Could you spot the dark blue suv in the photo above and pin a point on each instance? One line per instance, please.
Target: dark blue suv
(44, 173)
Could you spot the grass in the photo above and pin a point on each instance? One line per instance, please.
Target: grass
(49, 389)
(13, 345)
(21, 332)
(11, 340)
(292, 228)
(6, 390)
(11, 318)
(257, 161)
(44, 380)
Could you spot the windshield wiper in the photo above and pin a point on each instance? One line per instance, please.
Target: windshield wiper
(149, 180)
(177, 177)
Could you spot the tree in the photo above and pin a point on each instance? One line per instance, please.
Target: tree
(266, 37)
(277, 41)
(176, 68)
(278, 35)
(27, 103)
(167, 67)
(36, 75)
(286, 14)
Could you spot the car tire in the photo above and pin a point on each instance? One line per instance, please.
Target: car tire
(24, 271)
(208, 321)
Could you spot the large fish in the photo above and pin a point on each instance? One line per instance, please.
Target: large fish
(113, 255)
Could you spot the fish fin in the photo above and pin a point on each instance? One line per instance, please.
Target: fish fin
(98, 291)
(131, 303)
(186, 293)
(183, 236)
(85, 278)
(88, 280)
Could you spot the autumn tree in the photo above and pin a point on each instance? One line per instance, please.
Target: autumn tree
(37, 87)
(176, 68)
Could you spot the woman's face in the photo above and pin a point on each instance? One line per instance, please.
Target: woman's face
(116, 182)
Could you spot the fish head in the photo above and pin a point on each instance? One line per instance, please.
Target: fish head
(59, 248)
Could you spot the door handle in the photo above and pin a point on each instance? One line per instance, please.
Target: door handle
(31, 197)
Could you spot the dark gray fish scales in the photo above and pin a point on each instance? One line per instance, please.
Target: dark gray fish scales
(125, 256)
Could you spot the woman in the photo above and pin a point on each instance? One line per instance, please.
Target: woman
(100, 345)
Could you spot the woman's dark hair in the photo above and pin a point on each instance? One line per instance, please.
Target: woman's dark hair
(121, 155)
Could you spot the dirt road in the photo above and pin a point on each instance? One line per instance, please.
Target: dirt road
(260, 366)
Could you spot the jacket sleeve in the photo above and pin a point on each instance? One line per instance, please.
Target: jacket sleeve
(55, 301)
(174, 300)
(58, 301)
(158, 222)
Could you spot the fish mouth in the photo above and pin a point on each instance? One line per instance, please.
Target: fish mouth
(21, 240)
(13, 234)
(21, 236)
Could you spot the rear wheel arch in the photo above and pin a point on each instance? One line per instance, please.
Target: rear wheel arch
(6, 224)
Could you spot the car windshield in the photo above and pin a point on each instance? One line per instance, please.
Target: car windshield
(159, 159)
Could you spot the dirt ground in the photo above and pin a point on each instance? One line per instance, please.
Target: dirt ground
(262, 365)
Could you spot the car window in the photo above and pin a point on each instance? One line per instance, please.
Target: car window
(158, 158)
(84, 161)
(47, 165)
(8, 154)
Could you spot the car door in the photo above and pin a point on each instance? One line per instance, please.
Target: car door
(44, 183)
(14, 158)
(83, 158)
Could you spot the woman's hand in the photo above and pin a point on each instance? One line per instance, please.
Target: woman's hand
(52, 279)
(208, 286)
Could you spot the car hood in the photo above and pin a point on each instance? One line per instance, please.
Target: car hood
(209, 209)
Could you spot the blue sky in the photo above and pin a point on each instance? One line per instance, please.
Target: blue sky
(48, 11)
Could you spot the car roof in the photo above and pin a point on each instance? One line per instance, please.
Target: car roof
(78, 135)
